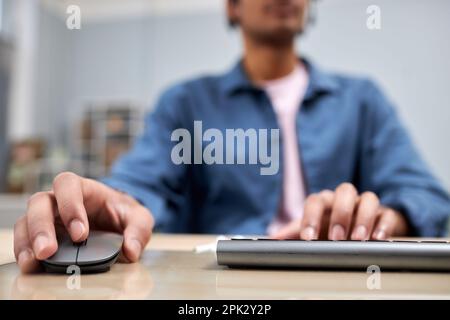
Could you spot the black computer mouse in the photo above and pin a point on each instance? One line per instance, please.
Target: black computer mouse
(96, 254)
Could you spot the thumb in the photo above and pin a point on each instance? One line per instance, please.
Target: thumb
(289, 231)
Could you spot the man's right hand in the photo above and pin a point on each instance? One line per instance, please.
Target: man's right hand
(75, 205)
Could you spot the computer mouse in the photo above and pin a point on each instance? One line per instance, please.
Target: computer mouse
(96, 254)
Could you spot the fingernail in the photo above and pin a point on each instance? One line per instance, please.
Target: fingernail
(338, 232)
(135, 246)
(76, 229)
(309, 233)
(40, 243)
(360, 233)
(380, 235)
(24, 257)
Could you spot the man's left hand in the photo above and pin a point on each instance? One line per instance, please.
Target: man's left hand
(344, 214)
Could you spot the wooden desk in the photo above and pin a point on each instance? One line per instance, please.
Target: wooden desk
(169, 269)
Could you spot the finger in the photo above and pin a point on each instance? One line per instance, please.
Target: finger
(69, 197)
(40, 224)
(137, 224)
(342, 212)
(290, 231)
(136, 235)
(22, 247)
(367, 212)
(386, 225)
(328, 196)
(315, 207)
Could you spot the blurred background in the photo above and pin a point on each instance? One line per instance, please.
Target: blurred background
(74, 99)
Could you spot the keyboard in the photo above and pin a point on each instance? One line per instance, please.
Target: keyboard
(317, 254)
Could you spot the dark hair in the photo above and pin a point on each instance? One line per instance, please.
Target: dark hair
(231, 22)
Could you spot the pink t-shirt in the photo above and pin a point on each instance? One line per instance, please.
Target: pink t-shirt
(286, 95)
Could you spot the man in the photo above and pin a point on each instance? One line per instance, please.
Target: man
(347, 171)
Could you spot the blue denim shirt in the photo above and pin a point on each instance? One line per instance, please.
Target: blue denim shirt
(348, 132)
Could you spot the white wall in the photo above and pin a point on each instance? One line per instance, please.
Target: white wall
(135, 59)
(409, 57)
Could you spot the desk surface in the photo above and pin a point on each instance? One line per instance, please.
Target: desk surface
(162, 242)
(169, 269)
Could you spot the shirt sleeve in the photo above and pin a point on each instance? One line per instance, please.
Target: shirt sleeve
(147, 173)
(392, 167)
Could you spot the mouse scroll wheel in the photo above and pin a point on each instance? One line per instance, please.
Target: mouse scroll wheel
(80, 244)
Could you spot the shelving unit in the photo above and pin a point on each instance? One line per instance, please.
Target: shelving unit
(107, 131)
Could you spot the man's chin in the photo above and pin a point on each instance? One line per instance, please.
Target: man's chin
(282, 36)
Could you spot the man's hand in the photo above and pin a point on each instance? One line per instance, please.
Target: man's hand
(77, 204)
(342, 215)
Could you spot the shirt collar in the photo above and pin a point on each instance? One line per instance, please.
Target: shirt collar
(319, 81)
(237, 80)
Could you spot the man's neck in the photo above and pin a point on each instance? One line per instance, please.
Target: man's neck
(264, 62)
